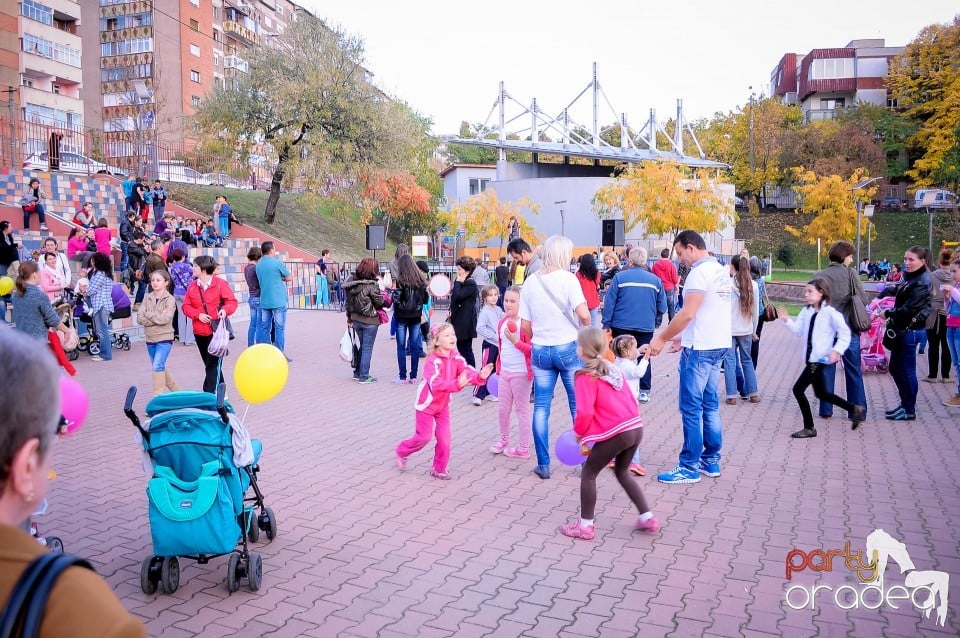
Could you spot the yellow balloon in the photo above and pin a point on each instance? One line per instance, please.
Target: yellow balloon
(6, 285)
(260, 373)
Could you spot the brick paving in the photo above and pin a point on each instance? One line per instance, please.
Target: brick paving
(365, 551)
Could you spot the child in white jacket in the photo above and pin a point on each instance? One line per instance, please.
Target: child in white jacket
(625, 352)
(826, 337)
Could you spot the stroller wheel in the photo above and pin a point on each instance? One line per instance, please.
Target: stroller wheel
(170, 574)
(148, 576)
(253, 531)
(93, 348)
(73, 355)
(55, 545)
(271, 522)
(254, 571)
(126, 345)
(883, 366)
(233, 573)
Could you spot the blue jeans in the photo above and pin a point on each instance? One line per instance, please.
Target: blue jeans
(41, 214)
(224, 223)
(700, 407)
(595, 317)
(903, 369)
(124, 257)
(738, 365)
(671, 306)
(367, 334)
(3, 300)
(158, 353)
(852, 373)
(254, 327)
(272, 320)
(550, 362)
(409, 342)
(953, 342)
(101, 323)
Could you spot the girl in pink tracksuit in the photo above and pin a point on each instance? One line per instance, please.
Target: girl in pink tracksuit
(444, 372)
(607, 417)
(516, 378)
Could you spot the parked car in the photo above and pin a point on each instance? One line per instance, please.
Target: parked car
(178, 172)
(220, 179)
(72, 163)
(934, 198)
(893, 203)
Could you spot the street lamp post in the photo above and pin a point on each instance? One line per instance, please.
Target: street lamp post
(860, 211)
(563, 230)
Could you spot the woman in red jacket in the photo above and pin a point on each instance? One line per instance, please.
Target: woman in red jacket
(207, 298)
(589, 278)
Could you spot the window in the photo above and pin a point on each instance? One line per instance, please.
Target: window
(216, 59)
(478, 185)
(195, 50)
(195, 100)
(892, 102)
(56, 89)
(832, 104)
(831, 69)
(47, 49)
(217, 37)
(195, 3)
(25, 81)
(36, 11)
(136, 45)
(194, 25)
(195, 76)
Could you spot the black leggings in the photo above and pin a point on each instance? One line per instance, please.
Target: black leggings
(465, 348)
(621, 448)
(813, 375)
(211, 365)
(938, 354)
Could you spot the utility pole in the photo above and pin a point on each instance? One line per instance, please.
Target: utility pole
(752, 154)
(12, 114)
(563, 230)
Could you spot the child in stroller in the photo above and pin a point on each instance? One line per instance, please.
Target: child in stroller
(80, 319)
(873, 356)
(202, 462)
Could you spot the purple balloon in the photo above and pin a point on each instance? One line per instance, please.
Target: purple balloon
(493, 384)
(567, 449)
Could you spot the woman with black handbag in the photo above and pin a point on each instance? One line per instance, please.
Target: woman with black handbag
(908, 314)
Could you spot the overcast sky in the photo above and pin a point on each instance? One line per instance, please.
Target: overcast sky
(446, 58)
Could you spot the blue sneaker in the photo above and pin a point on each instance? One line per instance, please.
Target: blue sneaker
(710, 469)
(679, 474)
(543, 471)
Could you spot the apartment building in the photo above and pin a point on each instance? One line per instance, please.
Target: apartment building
(825, 80)
(40, 60)
(157, 61)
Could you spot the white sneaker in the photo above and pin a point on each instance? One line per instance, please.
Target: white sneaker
(490, 397)
(476, 401)
(643, 397)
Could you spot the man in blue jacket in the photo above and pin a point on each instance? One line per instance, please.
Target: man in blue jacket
(632, 305)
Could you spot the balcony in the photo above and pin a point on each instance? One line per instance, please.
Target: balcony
(40, 66)
(236, 62)
(240, 32)
(817, 115)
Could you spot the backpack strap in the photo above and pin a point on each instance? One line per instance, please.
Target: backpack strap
(28, 600)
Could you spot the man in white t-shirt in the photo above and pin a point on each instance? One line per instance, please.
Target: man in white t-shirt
(703, 325)
(552, 310)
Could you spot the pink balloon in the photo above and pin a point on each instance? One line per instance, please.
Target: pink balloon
(74, 403)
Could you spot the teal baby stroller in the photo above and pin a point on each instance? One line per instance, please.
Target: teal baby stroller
(202, 463)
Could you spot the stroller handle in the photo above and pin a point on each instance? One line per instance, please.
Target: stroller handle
(221, 408)
(128, 410)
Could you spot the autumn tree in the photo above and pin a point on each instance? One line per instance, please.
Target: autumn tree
(664, 198)
(833, 201)
(465, 154)
(485, 217)
(310, 100)
(394, 196)
(834, 147)
(924, 80)
(892, 131)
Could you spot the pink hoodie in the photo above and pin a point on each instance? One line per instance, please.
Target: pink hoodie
(605, 407)
(440, 381)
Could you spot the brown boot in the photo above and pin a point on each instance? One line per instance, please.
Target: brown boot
(159, 383)
(171, 384)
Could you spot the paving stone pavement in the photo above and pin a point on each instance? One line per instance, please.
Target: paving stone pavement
(363, 550)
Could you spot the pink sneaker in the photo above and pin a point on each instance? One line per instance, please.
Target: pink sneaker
(649, 525)
(401, 463)
(573, 530)
(499, 446)
(517, 453)
(443, 476)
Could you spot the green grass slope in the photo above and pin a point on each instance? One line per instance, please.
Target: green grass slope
(894, 232)
(307, 221)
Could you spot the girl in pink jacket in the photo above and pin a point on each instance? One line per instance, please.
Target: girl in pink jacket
(516, 379)
(444, 373)
(608, 417)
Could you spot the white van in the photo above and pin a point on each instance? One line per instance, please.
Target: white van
(932, 198)
(177, 172)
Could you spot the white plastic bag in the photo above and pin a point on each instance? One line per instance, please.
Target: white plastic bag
(219, 344)
(346, 346)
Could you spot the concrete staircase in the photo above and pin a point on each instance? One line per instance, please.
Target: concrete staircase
(65, 193)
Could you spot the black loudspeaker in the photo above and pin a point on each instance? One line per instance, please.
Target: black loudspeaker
(376, 237)
(613, 234)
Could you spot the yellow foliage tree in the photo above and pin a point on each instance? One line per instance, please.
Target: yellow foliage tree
(664, 198)
(834, 203)
(484, 217)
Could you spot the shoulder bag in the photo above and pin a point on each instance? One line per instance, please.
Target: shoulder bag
(28, 600)
(857, 317)
(215, 319)
(769, 310)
